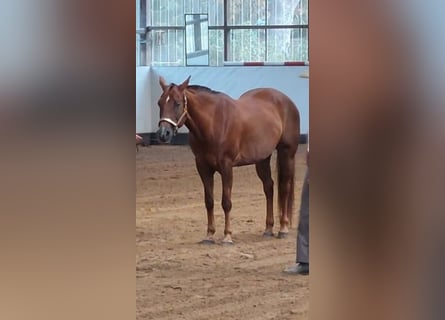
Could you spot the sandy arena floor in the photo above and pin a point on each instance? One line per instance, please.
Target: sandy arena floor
(178, 278)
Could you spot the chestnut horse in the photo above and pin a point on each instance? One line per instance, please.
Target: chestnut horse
(225, 133)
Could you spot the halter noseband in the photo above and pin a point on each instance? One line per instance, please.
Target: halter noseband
(180, 122)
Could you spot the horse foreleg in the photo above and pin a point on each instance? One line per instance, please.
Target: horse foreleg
(226, 202)
(206, 174)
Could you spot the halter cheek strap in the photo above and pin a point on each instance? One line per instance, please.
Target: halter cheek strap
(184, 114)
(181, 119)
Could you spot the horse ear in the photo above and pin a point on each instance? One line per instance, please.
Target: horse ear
(185, 84)
(163, 84)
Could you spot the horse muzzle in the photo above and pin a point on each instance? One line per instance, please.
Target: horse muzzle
(165, 134)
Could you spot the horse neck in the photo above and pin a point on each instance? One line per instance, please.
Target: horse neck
(201, 109)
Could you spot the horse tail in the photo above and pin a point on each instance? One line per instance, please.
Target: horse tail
(290, 207)
(285, 172)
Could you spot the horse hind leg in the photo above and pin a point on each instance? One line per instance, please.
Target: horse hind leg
(264, 173)
(286, 170)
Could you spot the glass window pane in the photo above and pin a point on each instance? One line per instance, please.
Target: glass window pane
(277, 43)
(216, 47)
(197, 39)
(247, 45)
(138, 50)
(195, 6)
(282, 12)
(165, 13)
(205, 35)
(287, 45)
(246, 12)
(138, 13)
(167, 47)
(300, 13)
(197, 34)
(216, 12)
(299, 45)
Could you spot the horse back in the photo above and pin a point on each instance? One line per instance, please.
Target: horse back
(272, 99)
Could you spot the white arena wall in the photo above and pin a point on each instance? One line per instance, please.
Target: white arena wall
(232, 80)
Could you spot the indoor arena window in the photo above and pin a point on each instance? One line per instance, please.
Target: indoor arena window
(237, 30)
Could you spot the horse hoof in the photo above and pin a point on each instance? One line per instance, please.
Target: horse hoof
(268, 234)
(282, 235)
(207, 241)
(227, 242)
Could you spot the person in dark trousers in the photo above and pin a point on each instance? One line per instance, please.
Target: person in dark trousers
(302, 262)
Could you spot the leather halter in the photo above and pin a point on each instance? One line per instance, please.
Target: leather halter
(180, 122)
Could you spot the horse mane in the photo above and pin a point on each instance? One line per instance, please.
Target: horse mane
(198, 88)
(202, 88)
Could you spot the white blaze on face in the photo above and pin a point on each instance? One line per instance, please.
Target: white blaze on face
(168, 98)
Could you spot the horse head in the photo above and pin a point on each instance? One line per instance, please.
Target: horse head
(172, 109)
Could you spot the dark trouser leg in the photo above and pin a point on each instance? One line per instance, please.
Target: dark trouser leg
(303, 225)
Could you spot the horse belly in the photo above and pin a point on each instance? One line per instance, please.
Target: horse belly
(255, 150)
